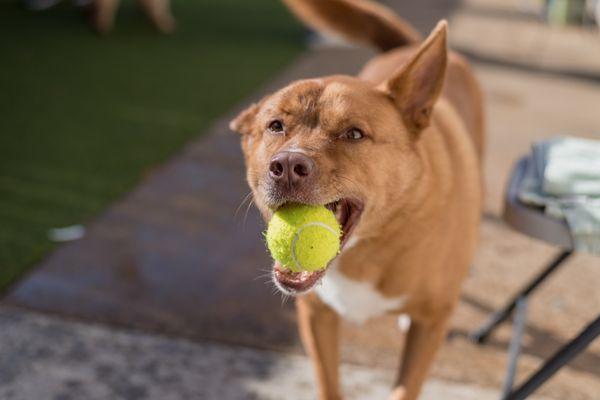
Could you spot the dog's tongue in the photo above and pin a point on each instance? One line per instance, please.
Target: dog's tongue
(299, 281)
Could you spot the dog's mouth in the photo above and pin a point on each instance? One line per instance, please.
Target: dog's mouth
(347, 212)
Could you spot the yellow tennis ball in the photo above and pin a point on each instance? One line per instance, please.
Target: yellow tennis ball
(303, 237)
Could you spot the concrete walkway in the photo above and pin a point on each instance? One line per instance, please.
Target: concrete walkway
(48, 358)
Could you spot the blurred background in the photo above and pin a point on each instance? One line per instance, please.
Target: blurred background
(131, 257)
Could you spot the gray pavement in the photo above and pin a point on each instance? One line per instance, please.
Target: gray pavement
(49, 358)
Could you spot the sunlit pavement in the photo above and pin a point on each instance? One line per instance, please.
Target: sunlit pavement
(47, 358)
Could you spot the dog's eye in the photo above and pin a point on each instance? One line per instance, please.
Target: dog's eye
(353, 134)
(276, 126)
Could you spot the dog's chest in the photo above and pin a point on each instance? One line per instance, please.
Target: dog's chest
(354, 300)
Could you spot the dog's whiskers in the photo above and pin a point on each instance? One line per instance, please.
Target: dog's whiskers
(266, 275)
(284, 298)
(262, 276)
(239, 207)
(246, 213)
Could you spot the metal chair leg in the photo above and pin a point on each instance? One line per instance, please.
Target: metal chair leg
(515, 346)
(481, 335)
(562, 357)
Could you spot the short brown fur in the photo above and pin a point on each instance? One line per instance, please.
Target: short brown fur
(417, 172)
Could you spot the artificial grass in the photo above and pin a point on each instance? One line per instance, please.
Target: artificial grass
(82, 116)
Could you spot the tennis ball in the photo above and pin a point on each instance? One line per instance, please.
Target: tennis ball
(302, 237)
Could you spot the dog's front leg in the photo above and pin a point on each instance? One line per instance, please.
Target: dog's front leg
(319, 331)
(422, 343)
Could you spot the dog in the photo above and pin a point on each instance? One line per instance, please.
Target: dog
(102, 14)
(396, 153)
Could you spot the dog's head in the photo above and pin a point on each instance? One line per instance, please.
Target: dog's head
(344, 143)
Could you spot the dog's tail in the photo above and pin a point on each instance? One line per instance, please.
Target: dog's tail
(358, 20)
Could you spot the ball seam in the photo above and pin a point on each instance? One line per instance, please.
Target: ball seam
(297, 237)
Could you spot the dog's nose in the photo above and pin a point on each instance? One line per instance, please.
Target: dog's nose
(290, 167)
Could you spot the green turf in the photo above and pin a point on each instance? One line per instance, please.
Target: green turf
(82, 117)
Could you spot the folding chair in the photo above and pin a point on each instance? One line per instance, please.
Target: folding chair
(533, 222)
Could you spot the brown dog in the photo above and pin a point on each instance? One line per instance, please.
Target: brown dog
(396, 153)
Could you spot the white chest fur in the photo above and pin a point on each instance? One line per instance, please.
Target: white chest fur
(354, 300)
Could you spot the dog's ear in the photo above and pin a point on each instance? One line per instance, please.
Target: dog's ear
(243, 122)
(417, 85)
